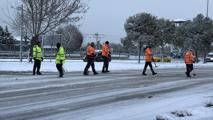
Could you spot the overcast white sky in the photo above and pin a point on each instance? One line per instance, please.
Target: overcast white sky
(108, 16)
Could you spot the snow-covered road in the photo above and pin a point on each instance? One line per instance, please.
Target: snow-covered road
(119, 95)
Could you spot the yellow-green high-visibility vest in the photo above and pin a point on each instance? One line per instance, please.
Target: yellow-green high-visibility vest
(37, 52)
(60, 56)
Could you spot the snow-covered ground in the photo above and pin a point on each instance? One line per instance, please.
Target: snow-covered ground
(78, 65)
(191, 102)
(188, 104)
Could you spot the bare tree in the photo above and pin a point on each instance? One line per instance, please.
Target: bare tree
(38, 17)
(42, 16)
(73, 38)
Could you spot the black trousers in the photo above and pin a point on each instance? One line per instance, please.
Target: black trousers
(189, 68)
(146, 65)
(106, 64)
(60, 69)
(90, 62)
(36, 66)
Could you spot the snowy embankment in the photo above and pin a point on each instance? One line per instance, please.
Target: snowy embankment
(78, 65)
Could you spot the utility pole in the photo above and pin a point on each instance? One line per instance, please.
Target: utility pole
(139, 51)
(97, 40)
(207, 9)
(22, 25)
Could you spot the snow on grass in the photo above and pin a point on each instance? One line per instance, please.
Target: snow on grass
(196, 113)
(78, 65)
(200, 112)
(181, 113)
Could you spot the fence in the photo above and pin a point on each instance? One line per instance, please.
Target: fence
(74, 55)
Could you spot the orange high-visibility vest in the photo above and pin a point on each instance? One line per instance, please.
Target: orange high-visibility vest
(148, 55)
(90, 51)
(105, 50)
(188, 57)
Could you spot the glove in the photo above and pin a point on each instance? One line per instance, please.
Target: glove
(93, 54)
(34, 58)
(42, 58)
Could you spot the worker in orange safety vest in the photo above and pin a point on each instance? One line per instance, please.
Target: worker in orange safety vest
(189, 59)
(148, 59)
(105, 56)
(90, 59)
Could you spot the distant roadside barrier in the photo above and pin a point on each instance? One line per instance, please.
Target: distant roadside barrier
(73, 56)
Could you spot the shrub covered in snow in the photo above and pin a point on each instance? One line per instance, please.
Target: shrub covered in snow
(209, 104)
(181, 113)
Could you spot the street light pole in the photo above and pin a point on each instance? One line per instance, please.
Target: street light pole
(207, 9)
(22, 23)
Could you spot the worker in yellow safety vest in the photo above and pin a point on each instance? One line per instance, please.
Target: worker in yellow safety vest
(37, 56)
(60, 59)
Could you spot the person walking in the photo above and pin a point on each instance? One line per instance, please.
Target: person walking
(148, 59)
(37, 57)
(60, 59)
(105, 56)
(189, 59)
(90, 55)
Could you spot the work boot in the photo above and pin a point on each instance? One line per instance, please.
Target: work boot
(187, 74)
(144, 74)
(85, 73)
(61, 74)
(103, 70)
(107, 71)
(95, 73)
(39, 73)
(154, 73)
